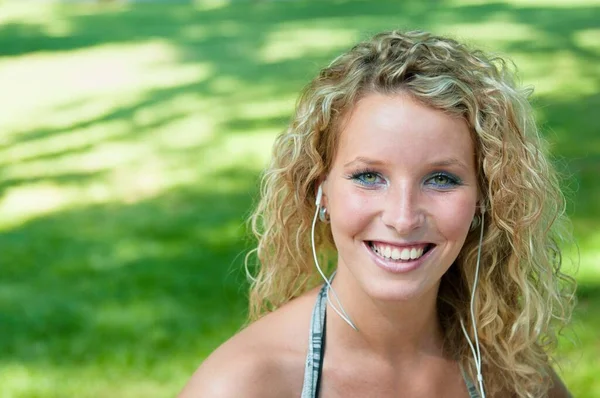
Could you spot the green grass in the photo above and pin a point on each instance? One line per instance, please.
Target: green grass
(131, 139)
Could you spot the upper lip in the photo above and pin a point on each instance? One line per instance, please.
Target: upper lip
(400, 244)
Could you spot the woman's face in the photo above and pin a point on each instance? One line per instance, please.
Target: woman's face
(401, 195)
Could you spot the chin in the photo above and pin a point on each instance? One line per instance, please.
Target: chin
(405, 295)
(399, 291)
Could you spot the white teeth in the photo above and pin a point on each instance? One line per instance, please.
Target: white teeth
(387, 252)
(405, 254)
(413, 253)
(398, 254)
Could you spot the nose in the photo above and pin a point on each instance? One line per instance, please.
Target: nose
(403, 209)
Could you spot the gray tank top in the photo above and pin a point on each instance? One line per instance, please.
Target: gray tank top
(316, 351)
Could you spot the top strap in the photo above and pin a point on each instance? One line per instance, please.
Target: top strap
(316, 347)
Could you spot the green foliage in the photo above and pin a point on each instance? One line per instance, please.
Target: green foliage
(131, 141)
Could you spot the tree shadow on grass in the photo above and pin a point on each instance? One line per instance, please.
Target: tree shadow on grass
(233, 35)
(126, 285)
(230, 39)
(576, 146)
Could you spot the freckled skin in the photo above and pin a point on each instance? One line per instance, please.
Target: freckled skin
(407, 140)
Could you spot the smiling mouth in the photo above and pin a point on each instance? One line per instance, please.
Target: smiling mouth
(399, 254)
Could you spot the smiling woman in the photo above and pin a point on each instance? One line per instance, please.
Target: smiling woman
(440, 218)
(393, 190)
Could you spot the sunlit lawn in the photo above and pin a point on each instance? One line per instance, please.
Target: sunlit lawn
(131, 139)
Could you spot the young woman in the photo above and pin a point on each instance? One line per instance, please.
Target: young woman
(413, 170)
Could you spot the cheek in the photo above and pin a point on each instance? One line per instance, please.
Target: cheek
(350, 215)
(455, 218)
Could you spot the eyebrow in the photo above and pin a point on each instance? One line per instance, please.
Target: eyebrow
(440, 163)
(361, 159)
(450, 162)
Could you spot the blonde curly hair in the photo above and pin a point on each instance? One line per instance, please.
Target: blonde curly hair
(523, 298)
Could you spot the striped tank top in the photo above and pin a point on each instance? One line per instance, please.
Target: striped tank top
(316, 351)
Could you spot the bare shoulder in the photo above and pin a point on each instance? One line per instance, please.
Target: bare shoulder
(264, 360)
(236, 373)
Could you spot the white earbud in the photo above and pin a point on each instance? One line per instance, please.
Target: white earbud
(319, 195)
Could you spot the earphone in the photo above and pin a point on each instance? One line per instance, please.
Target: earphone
(475, 350)
(319, 195)
(341, 312)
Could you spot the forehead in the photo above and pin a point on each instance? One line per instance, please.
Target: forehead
(399, 129)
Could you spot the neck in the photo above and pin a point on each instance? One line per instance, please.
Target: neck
(394, 329)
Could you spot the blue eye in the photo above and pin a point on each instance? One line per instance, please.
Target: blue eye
(443, 180)
(367, 178)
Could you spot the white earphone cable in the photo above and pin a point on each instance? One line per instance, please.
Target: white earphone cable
(475, 347)
(341, 313)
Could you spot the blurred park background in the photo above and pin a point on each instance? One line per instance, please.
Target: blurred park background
(132, 135)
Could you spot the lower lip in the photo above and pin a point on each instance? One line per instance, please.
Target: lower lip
(397, 267)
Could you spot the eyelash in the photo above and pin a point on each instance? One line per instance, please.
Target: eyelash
(356, 176)
(453, 181)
